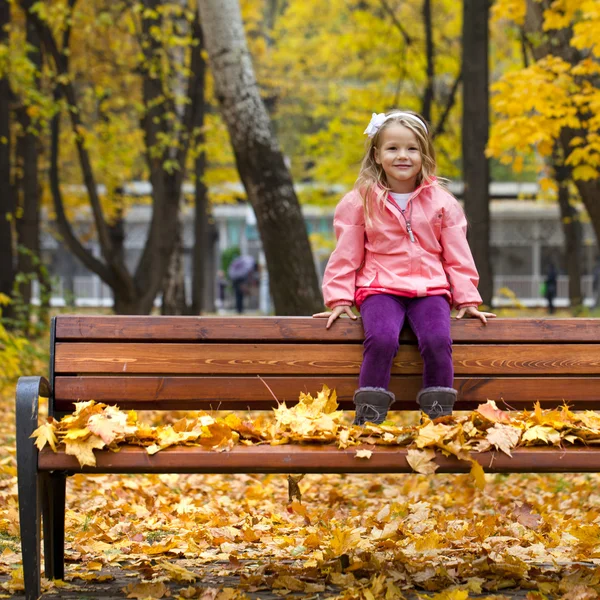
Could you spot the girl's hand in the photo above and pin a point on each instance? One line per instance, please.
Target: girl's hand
(334, 314)
(471, 311)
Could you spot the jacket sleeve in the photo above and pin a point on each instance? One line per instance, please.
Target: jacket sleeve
(339, 280)
(457, 258)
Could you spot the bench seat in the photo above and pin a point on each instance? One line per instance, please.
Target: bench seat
(252, 363)
(313, 458)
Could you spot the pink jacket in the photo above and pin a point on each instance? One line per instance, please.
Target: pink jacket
(380, 258)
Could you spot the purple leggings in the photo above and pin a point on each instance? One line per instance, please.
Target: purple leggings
(383, 317)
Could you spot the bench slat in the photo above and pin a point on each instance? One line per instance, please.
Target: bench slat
(290, 359)
(163, 328)
(319, 459)
(236, 393)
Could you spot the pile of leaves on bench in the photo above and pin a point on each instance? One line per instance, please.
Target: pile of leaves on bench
(316, 420)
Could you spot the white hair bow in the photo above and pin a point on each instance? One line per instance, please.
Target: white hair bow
(377, 120)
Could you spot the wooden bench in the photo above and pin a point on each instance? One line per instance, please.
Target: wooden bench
(169, 363)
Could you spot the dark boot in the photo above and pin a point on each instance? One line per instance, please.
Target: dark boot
(372, 405)
(437, 401)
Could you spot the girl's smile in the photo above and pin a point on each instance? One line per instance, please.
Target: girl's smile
(400, 157)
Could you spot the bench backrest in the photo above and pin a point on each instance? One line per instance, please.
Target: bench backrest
(171, 363)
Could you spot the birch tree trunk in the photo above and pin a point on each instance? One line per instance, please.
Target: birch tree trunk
(292, 274)
(475, 128)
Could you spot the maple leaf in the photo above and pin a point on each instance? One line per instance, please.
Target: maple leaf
(45, 434)
(538, 433)
(83, 411)
(588, 535)
(455, 594)
(109, 424)
(146, 590)
(504, 437)
(78, 433)
(478, 474)
(580, 592)
(492, 413)
(363, 454)
(217, 435)
(421, 461)
(83, 450)
(526, 516)
(289, 583)
(343, 540)
(177, 573)
(431, 434)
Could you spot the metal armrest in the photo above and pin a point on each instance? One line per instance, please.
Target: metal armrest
(29, 389)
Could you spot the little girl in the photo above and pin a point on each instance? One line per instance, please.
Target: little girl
(401, 253)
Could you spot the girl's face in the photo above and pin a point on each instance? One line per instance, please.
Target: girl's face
(400, 157)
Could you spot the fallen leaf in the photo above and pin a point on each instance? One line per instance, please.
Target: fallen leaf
(492, 413)
(146, 590)
(45, 434)
(363, 454)
(504, 437)
(422, 461)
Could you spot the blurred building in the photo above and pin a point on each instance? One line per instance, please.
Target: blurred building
(526, 235)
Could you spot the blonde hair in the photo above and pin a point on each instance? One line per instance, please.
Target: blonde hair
(371, 182)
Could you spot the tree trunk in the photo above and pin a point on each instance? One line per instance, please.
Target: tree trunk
(28, 225)
(202, 280)
(7, 267)
(173, 296)
(572, 229)
(475, 130)
(559, 45)
(428, 94)
(260, 163)
(132, 294)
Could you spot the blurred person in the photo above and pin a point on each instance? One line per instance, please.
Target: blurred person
(551, 286)
(239, 272)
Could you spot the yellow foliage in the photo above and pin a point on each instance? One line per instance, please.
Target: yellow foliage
(533, 105)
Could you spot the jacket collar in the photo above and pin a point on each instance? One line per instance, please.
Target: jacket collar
(424, 185)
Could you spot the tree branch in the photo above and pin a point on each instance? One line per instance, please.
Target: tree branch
(64, 227)
(430, 67)
(388, 9)
(441, 125)
(76, 124)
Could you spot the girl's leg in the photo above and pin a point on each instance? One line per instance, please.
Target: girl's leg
(382, 317)
(429, 319)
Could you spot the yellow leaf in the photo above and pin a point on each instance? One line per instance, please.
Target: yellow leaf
(83, 451)
(363, 454)
(343, 540)
(478, 474)
(108, 424)
(44, 434)
(504, 437)
(146, 590)
(538, 433)
(421, 461)
(451, 595)
(177, 573)
(77, 434)
(431, 434)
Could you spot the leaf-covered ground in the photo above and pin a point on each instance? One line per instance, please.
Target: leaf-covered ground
(352, 537)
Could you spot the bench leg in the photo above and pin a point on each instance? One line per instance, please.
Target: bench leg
(29, 482)
(53, 519)
(29, 486)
